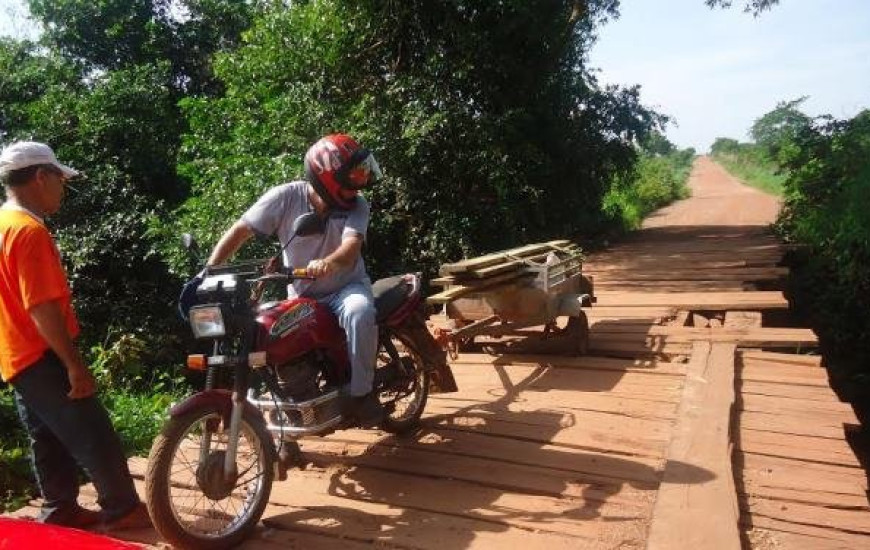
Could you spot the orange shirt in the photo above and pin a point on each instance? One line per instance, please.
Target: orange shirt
(31, 273)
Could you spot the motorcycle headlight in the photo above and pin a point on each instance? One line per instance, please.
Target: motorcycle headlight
(207, 321)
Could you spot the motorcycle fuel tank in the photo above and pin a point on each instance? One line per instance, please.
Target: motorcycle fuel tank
(293, 328)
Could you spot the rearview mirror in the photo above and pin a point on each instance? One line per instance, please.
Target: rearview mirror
(308, 224)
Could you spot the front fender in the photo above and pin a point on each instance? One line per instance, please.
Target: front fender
(222, 400)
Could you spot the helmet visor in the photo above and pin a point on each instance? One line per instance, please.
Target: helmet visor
(364, 172)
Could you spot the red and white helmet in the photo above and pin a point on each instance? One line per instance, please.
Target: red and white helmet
(337, 167)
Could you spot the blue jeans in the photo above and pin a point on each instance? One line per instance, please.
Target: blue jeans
(354, 306)
(65, 433)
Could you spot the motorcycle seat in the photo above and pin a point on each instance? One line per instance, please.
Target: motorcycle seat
(389, 293)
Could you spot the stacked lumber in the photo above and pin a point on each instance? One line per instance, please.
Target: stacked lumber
(501, 269)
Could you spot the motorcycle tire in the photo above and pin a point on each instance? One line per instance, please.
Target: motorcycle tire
(409, 419)
(166, 514)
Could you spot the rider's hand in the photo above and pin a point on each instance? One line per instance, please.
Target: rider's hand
(320, 268)
(81, 381)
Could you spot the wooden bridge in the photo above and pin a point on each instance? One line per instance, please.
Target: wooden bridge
(700, 419)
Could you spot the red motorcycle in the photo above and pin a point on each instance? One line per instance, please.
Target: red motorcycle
(273, 375)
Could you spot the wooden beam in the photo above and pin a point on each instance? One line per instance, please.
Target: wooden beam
(697, 501)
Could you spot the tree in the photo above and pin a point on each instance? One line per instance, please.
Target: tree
(116, 34)
(725, 146)
(657, 144)
(489, 126)
(753, 6)
(775, 129)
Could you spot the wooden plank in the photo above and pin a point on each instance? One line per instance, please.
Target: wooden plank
(748, 356)
(779, 424)
(698, 479)
(761, 337)
(787, 389)
(828, 499)
(591, 362)
(784, 374)
(499, 257)
(852, 521)
(797, 447)
(835, 412)
(594, 431)
(737, 274)
(698, 301)
(816, 537)
(457, 291)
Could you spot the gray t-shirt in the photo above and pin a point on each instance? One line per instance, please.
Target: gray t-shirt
(274, 213)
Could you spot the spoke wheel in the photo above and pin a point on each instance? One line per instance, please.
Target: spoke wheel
(192, 503)
(405, 398)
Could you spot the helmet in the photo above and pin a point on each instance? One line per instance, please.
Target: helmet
(337, 163)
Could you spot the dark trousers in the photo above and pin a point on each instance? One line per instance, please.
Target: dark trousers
(65, 433)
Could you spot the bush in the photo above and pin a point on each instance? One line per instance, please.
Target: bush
(655, 182)
(752, 165)
(827, 210)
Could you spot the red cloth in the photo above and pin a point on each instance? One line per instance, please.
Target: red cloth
(31, 535)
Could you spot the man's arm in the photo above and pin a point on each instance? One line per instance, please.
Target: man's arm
(51, 325)
(342, 258)
(230, 242)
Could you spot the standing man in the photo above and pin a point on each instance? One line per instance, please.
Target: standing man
(54, 390)
(336, 169)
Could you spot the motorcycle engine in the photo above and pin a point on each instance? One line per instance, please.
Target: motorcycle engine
(299, 378)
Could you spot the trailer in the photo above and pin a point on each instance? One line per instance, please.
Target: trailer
(507, 293)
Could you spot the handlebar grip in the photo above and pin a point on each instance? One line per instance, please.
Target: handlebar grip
(300, 272)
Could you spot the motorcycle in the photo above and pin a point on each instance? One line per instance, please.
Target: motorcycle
(273, 375)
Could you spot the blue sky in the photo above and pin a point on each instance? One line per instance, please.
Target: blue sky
(716, 71)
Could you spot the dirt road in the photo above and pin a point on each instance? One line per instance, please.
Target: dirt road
(717, 199)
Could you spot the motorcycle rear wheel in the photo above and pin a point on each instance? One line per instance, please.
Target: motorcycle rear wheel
(189, 505)
(407, 410)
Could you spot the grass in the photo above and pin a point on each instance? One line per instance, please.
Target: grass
(753, 172)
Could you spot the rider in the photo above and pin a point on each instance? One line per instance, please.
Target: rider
(336, 169)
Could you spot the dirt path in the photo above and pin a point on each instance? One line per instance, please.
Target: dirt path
(718, 199)
(627, 447)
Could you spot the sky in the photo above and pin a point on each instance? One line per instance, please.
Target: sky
(714, 71)
(717, 71)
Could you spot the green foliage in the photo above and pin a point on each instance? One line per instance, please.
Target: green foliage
(827, 209)
(489, 127)
(725, 146)
(16, 479)
(138, 417)
(655, 182)
(24, 78)
(116, 34)
(774, 131)
(752, 165)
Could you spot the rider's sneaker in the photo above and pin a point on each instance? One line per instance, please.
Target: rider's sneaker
(365, 409)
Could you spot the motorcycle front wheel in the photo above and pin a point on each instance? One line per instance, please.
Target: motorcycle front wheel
(406, 397)
(190, 501)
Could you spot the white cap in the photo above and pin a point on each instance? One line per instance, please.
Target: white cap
(22, 154)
